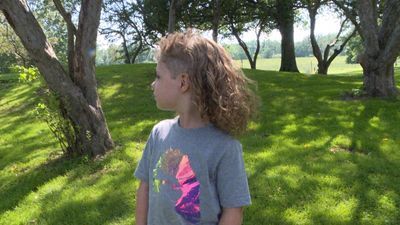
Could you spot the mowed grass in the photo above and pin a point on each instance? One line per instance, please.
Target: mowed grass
(306, 65)
(311, 157)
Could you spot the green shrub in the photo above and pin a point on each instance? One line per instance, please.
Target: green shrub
(26, 74)
(50, 109)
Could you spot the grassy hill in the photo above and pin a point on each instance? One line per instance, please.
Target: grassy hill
(311, 157)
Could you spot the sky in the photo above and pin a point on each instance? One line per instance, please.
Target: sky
(325, 24)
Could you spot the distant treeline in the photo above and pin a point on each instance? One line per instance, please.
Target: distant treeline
(269, 49)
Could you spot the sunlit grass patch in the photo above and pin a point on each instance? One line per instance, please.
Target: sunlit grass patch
(311, 157)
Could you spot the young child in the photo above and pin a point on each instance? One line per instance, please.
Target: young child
(192, 169)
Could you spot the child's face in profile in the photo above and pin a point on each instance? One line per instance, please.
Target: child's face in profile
(166, 89)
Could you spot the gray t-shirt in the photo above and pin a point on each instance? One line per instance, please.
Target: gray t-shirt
(192, 174)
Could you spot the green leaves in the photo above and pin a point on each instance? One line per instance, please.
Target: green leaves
(26, 74)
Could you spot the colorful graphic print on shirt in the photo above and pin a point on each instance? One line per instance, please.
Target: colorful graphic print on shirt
(177, 165)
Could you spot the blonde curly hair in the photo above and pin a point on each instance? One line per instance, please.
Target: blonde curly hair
(220, 90)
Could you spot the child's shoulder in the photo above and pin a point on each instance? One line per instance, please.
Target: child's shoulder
(163, 125)
(221, 137)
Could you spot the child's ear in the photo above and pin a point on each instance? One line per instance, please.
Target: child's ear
(185, 83)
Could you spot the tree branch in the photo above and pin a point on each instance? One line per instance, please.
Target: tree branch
(255, 2)
(329, 46)
(107, 31)
(71, 29)
(340, 30)
(350, 15)
(390, 11)
(340, 49)
(392, 49)
(67, 16)
(369, 24)
(34, 40)
(261, 26)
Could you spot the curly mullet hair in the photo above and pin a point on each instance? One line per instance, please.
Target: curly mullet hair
(220, 90)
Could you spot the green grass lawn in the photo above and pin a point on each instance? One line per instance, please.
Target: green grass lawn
(311, 157)
(307, 65)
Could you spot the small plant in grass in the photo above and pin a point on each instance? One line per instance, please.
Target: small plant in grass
(355, 93)
(341, 143)
(50, 109)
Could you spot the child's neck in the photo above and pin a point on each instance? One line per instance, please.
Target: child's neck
(189, 115)
(190, 120)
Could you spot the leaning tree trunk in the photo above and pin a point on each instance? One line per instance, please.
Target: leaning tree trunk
(322, 69)
(381, 46)
(285, 20)
(244, 46)
(80, 96)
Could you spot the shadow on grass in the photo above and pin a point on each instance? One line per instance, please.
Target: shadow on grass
(16, 145)
(110, 205)
(25, 182)
(292, 168)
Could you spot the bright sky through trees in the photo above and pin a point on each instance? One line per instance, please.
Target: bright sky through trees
(326, 23)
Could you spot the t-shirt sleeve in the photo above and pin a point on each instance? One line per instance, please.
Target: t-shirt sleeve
(142, 169)
(232, 185)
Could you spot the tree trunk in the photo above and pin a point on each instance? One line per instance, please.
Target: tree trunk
(288, 58)
(243, 45)
(315, 48)
(97, 138)
(172, 16)
(285, 20)
(216, 18)
(137, 51)
(80, 96)
(381, 42)
(324, 61)
(257, 45)
(322, 68)
(126, 50)
(378, 78)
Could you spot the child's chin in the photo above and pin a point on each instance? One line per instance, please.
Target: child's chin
(163, 108)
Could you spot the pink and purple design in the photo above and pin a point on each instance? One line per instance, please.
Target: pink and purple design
(174, 163)
(188, 205)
